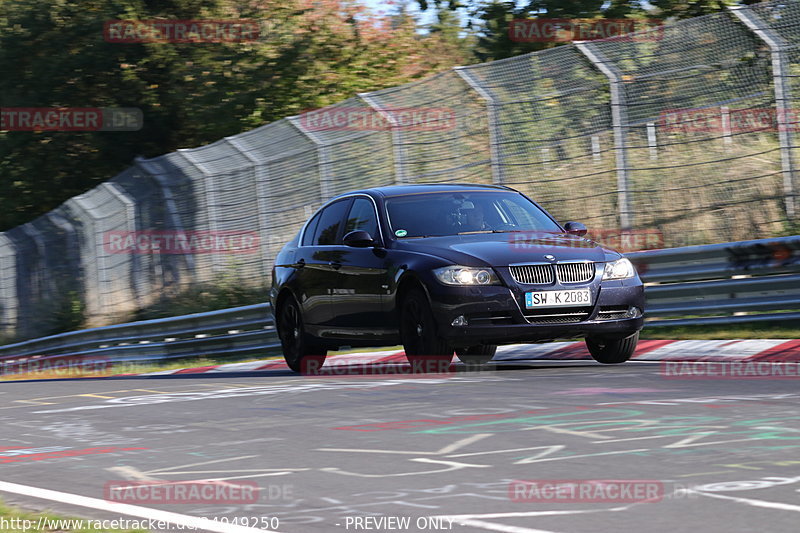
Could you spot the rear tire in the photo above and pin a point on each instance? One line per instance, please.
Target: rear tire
(425, 350)
(301, 353)
(477, 355)
(612, 352)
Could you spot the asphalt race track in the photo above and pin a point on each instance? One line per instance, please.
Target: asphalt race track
(435, 452)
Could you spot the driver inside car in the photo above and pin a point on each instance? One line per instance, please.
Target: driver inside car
(473, 218)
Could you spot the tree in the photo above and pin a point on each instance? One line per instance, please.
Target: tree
(490, 19)
(310, 53)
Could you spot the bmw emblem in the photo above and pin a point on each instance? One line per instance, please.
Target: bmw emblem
(550, 257)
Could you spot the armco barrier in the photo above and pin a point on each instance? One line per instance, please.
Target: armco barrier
(713, 284)
(746, 281)
(240, 331)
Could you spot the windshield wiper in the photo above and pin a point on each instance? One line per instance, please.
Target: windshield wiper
(484, 231)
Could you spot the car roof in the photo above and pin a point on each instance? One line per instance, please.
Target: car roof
(417, 188)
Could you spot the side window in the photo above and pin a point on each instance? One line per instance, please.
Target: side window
(308, 236)
(362, 217)
(330, 223)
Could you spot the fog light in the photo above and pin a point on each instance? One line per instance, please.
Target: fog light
(634, 312)
(459, 321)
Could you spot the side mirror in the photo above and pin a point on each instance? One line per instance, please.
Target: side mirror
(358, 239)
(575, 228)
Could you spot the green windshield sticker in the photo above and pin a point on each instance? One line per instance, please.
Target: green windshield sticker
(401, 233)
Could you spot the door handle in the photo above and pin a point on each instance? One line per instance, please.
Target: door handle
(300, 263)
(336, 265)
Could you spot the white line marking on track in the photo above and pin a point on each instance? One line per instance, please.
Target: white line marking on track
(132, 473)
(160, 470)
(499, 527)
(472, 519)
(750, 501)
(451, 466)
(233, 471)
(126, 509)
(280, 473)
(588, 455)
(441, 451)
(464, 442)
(547, 449)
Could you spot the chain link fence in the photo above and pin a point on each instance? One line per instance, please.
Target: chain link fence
(686, 129)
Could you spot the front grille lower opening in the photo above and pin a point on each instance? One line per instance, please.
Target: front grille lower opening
(558, 314)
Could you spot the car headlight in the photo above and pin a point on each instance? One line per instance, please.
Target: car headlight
(619, 269)
(461, 275)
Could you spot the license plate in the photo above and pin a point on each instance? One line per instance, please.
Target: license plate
(572, 298)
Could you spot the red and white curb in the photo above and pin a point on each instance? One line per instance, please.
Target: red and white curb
(775, 350)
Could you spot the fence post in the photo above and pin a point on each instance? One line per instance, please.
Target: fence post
(95, 307)
(619, 122)
(8, 285)
(130, 222)
(263, 194)
(652, 141)
(59, 219)
(211, 204)
(323, 159)
(727, 135)
(596, 148)
(400, 174)
(41, 287)
(783, 98)
(492, 105)
(172, 212)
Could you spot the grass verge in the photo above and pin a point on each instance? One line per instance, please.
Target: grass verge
(14, 520)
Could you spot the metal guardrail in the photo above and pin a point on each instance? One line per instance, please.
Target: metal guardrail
(737, 282)
(712, 284)
(240, 331)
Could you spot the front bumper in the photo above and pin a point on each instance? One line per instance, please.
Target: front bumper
(496, 315)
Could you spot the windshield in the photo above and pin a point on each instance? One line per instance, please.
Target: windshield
(459, 213)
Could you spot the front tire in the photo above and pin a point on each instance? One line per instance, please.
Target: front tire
(425, 350)
(300, 352)
(477, 355)
(612, 352)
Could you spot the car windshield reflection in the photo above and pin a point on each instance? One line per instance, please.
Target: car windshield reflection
(456, 213)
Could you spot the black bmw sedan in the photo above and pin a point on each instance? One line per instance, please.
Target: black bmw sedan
(449, 268)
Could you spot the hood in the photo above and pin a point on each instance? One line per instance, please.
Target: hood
(502, 249)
